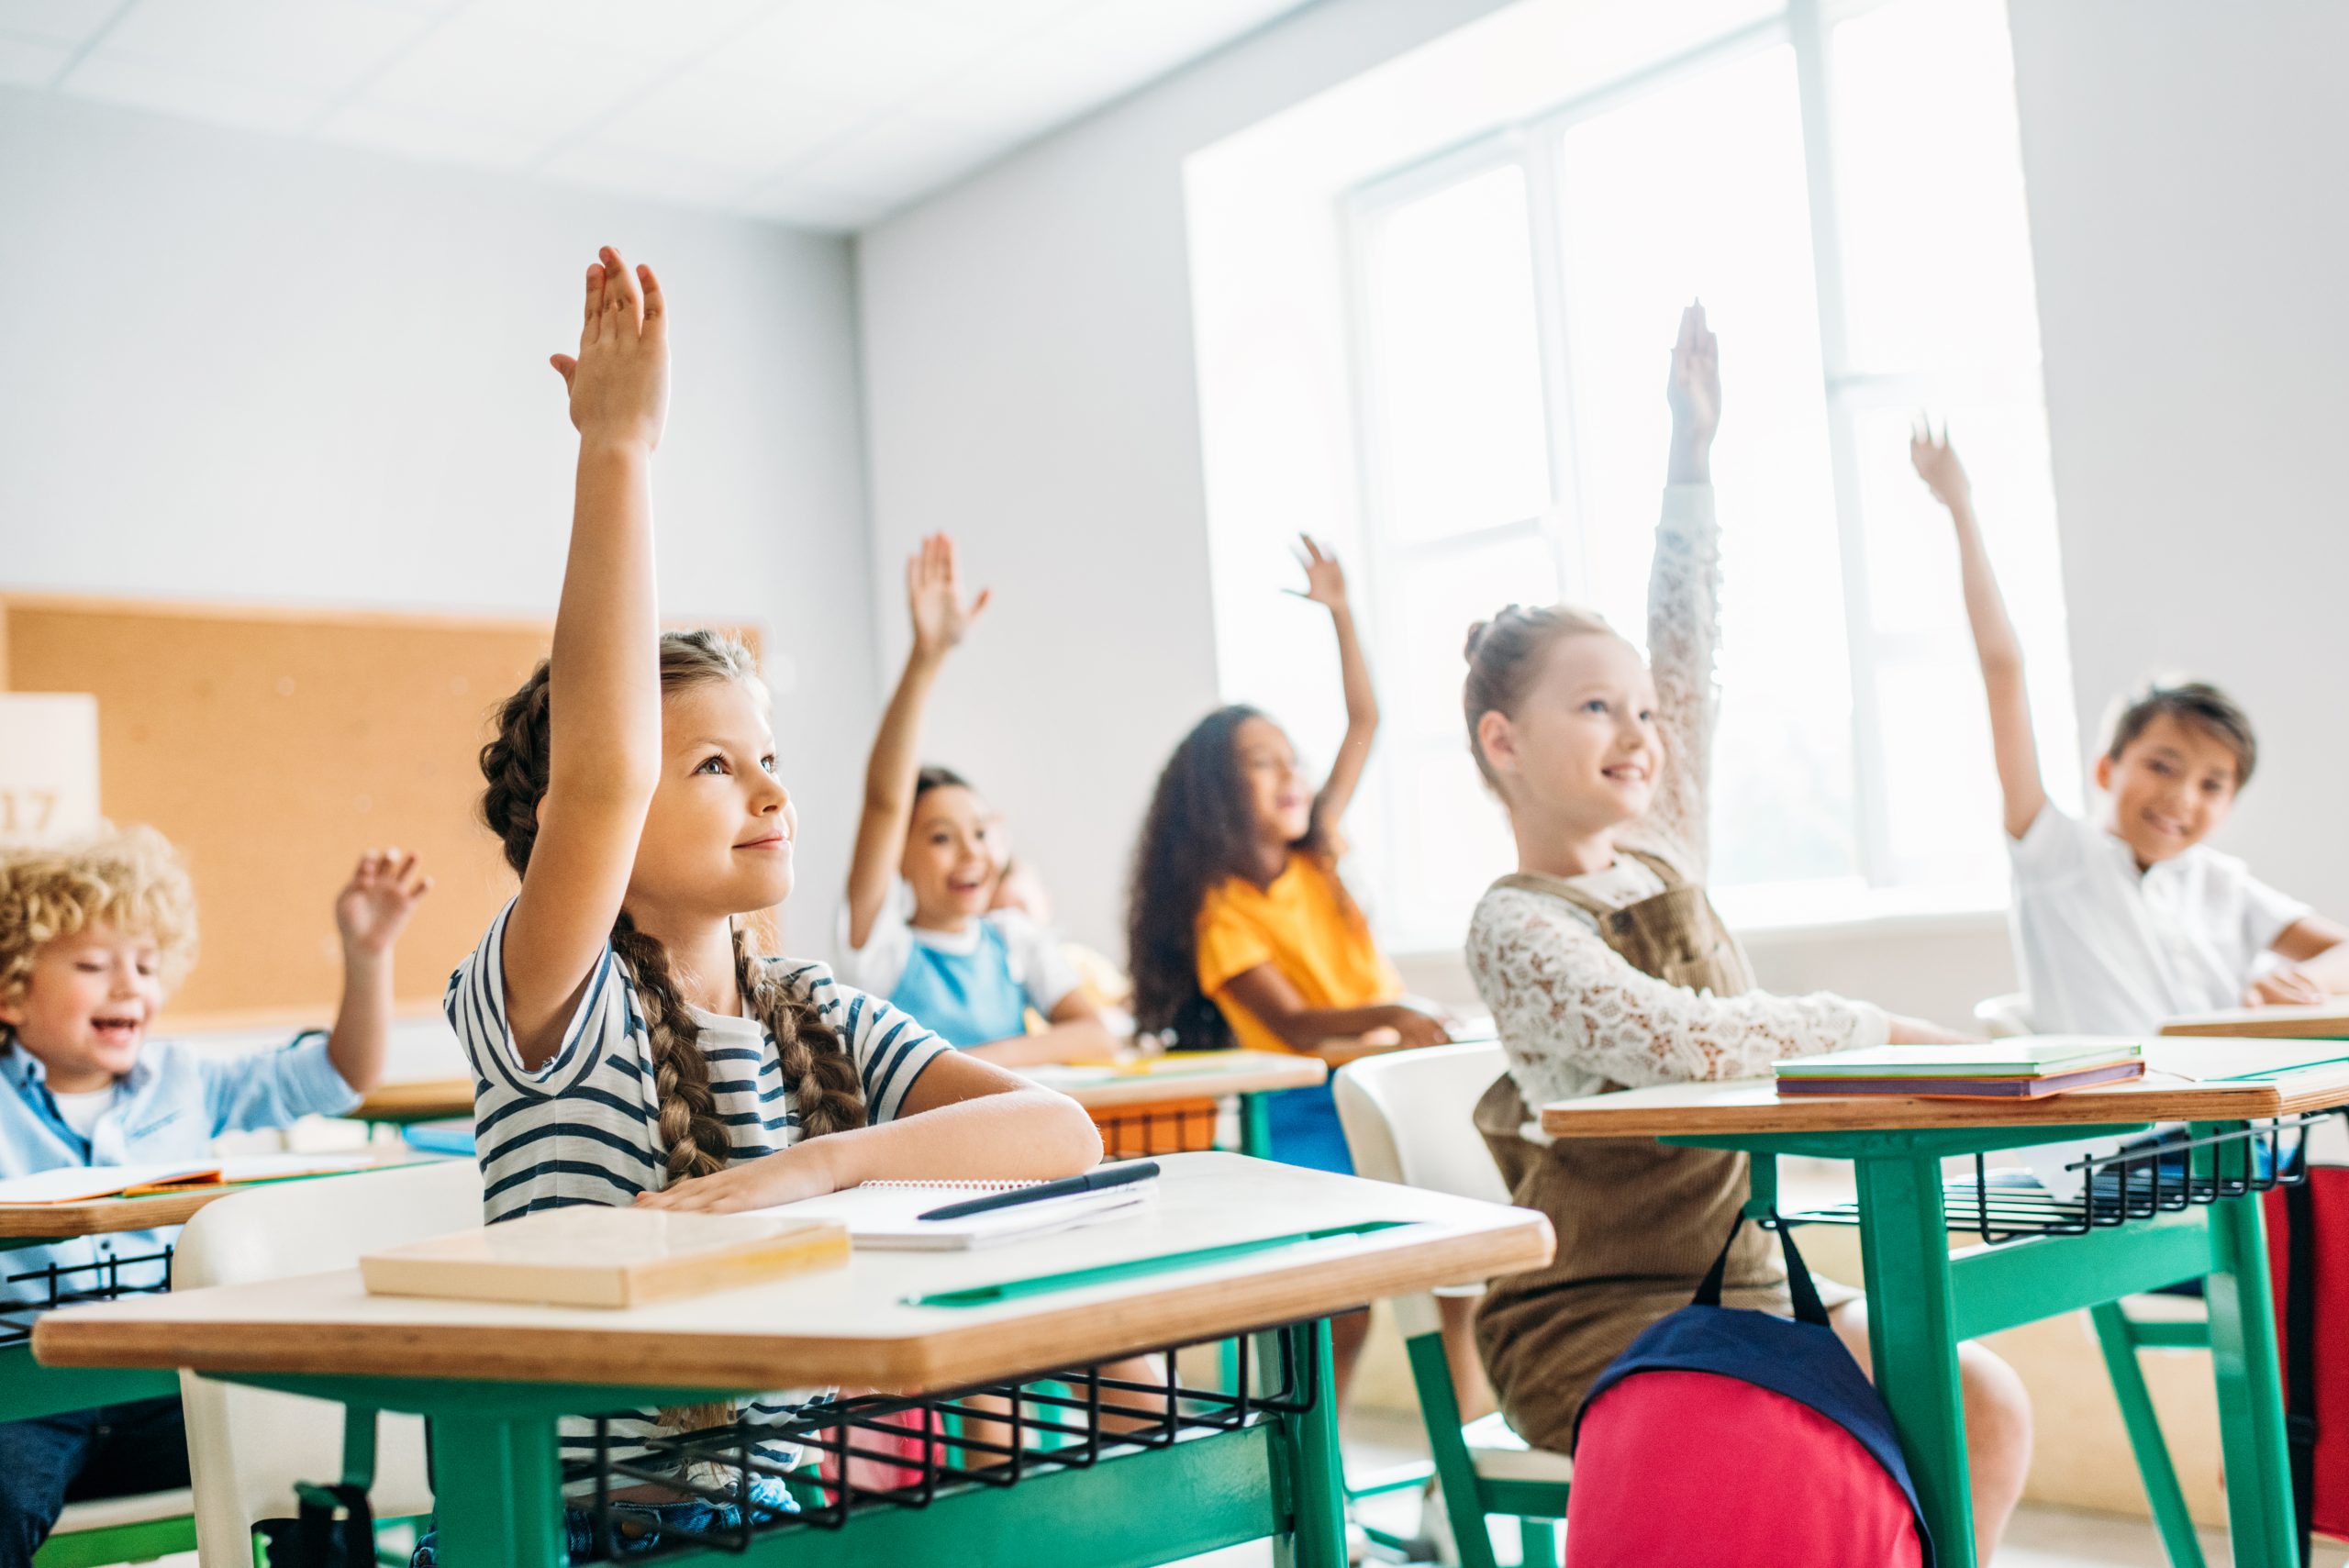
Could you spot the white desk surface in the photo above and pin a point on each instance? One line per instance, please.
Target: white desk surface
(850, 1324)
(2184, 1081)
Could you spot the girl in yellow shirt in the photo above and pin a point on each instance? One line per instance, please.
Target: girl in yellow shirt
(1241, 932)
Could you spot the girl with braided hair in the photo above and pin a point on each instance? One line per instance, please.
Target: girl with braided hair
(628, 1044)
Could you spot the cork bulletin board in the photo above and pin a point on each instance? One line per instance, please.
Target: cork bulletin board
(273, 747)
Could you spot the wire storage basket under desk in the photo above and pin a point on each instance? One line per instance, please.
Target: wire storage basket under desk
(25, 1294)
(2165, 1172)
(871, 1452)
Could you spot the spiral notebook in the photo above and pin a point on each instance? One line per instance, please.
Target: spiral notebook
(884, 1216)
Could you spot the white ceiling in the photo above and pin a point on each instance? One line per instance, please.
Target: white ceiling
(826, 114)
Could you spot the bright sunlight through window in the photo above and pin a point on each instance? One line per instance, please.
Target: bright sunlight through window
(1843, 190)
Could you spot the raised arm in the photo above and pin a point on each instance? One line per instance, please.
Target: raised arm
(603, 687)
(1995, 643)
(934, 596)
(370, 913)
(1325, 584)
(1683, 593)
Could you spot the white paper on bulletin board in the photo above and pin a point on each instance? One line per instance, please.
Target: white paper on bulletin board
(49, 766)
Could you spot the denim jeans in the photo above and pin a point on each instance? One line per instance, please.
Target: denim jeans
(638, 1526)
(111, 1452)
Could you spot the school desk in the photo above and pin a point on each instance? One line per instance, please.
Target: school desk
(1130, 1101)
(494, 1377)
(28, 1388)
(1128, 1097)
(2325, 1020)
(1923, 1299)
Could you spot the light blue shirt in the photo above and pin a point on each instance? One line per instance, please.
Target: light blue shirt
(171, 1106)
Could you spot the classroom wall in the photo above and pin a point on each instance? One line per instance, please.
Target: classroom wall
(2181, 157)
(246, 368)
(1031, 385)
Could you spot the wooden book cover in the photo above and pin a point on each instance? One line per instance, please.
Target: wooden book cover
(591, 1256)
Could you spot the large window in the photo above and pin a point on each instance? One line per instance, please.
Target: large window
(1842, 186)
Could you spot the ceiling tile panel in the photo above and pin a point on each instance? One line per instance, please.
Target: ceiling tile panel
(68, 22)
(304, 46)
(163, 89)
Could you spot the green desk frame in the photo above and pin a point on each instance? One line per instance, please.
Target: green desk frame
(497, 1474)
(1922, 1300)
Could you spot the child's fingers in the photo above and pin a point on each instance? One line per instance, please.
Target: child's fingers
(595, 317)
(656, 308)
(619, 289)
(981, 602)
(407, 871)
(564, 366)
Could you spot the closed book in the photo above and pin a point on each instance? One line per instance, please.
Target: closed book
(593, 1256)
(1966, 1088)
(2031, 1057)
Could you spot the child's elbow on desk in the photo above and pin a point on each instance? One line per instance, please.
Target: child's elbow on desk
(1065, 1135)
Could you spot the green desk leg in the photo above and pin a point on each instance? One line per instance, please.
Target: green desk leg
(1255, 1127)
(2118, 1339)
(1912, 1339)
(497, 1491)
(1317, 1537)
(2245, 1361)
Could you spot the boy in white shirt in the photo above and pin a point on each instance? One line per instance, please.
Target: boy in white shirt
(2131, 920)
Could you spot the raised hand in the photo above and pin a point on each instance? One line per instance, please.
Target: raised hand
(934, 596)
(620, 379)
(1325, 580)
(1694, 388)
(1937, 465)
(374, 906)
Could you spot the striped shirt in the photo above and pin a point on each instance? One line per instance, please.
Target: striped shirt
(584, 1127)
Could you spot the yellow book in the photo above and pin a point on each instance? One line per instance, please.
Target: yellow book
(591, 1256)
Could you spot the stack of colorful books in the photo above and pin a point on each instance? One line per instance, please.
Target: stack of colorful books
(2027, 1069)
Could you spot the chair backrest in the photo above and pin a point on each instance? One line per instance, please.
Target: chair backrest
(1409, 1117)
(2003, 1018)
(248, 1447)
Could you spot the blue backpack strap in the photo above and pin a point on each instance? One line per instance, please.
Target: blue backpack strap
(1808, 1308)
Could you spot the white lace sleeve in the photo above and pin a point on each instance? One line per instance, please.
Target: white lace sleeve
(1684, 630)
(1572, 1014)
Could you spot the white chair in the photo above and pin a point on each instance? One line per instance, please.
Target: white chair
(2003, 1018)
(247, 1447)
(1409, 1117)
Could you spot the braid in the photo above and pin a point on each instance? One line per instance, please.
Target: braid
(697, 1140)
(515, 763)
(820, 1075)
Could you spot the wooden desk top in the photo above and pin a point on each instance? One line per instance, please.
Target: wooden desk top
(108, 1215)
(421, 1099)
(1212, 1075)
(2184, 1081)
(2328, 1020)
(850, 1324)
(1182, 1075)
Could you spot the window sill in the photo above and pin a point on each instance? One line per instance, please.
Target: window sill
(1782, 916)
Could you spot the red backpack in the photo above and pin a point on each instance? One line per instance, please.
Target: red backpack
(2308, 1255)
(1725, 1435)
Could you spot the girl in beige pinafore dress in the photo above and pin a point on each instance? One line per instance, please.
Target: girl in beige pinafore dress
(1605, 968)
(1622, 976)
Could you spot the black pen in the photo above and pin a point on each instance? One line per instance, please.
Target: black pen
(1092, 1181)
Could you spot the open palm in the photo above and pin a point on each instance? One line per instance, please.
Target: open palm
(934, 596)
(1325, 580)
(374, 906)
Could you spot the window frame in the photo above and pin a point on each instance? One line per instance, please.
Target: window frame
(1531, 144)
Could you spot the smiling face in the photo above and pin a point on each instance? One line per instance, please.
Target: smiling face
(1581, 750)
(2169, 788)
(1280, 800)
(952, 857)
(717, 836)
(85, 1009)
